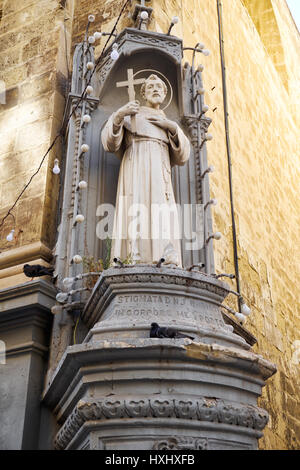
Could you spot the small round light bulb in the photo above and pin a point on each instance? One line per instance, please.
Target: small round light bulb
(62, 297)
(56, 169)
(97, 35)
(68, 282)
(175, 20)
(208, 137)
(77, 259)
(86, 118)
(82, 185)
(10, 237)
(91, 18)
(90, 65)
(114, 55)
(89, 90)
(206, 52)
(240, 317)
(79, 219)
(85, 148)
(245, 309)
(144, 15)
(217, 236)
(92, 40)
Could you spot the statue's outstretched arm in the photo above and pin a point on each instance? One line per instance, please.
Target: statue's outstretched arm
(179, 147)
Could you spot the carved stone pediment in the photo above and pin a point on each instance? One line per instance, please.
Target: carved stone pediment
(132, 40)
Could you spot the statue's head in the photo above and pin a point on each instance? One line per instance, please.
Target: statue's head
(154, 90)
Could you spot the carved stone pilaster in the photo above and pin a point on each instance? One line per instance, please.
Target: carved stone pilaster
(196, 134)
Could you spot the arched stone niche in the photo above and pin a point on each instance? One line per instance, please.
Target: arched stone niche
(145, 51)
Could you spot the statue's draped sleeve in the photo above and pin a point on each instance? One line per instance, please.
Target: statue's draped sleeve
(179, 147)
(115, 142)
(111, 141)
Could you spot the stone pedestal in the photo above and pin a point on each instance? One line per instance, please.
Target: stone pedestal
(127, 300)
(120, 389)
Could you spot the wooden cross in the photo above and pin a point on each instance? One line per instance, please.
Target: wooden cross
(131, 92)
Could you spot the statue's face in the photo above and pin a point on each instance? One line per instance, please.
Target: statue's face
(155, 91)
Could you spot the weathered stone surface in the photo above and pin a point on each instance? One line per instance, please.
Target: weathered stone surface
(158, 384)
(126, 301)
(264, 120)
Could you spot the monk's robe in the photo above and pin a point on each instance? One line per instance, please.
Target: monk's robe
(146, 224)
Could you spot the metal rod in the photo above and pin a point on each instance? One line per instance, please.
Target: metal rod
(226, 114)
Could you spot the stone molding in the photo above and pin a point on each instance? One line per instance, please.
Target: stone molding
(29, 288)
(24, 348)
(131, 40)
(181, 443)
(147, 274)
(23, 254)
(200, 409)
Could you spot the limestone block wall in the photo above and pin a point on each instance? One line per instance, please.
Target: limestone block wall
(264, 122)
(33, 69)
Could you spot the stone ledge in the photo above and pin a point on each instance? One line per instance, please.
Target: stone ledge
(24, 254)
(38, 293)
(183, 350)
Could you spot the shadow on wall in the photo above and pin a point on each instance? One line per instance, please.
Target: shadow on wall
(264, 19)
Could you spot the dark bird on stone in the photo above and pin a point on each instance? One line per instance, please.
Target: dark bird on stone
(166, 332)
(36, 270)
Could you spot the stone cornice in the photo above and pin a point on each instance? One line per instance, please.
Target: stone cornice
(27, 304)
(187, 352)
(28, 288)
(31, 346)
(187, 408)
(23, 254)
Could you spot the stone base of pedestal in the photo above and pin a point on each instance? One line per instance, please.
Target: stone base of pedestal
(126, 301)
(158, 394)
(120, 389)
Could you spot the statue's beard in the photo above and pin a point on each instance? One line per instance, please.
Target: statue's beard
(154, 100)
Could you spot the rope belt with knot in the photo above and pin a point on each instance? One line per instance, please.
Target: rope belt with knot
(146, 139)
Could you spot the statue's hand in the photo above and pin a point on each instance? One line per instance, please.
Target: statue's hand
(164, 124)
(130, 109)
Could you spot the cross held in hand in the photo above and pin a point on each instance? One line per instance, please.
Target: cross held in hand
(131, 92)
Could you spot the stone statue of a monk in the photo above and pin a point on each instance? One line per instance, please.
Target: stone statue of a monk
(145, 185)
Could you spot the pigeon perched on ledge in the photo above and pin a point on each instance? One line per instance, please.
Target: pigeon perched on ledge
(165, 332)
(36, 270)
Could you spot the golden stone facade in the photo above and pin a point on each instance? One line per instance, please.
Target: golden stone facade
(262, 63)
